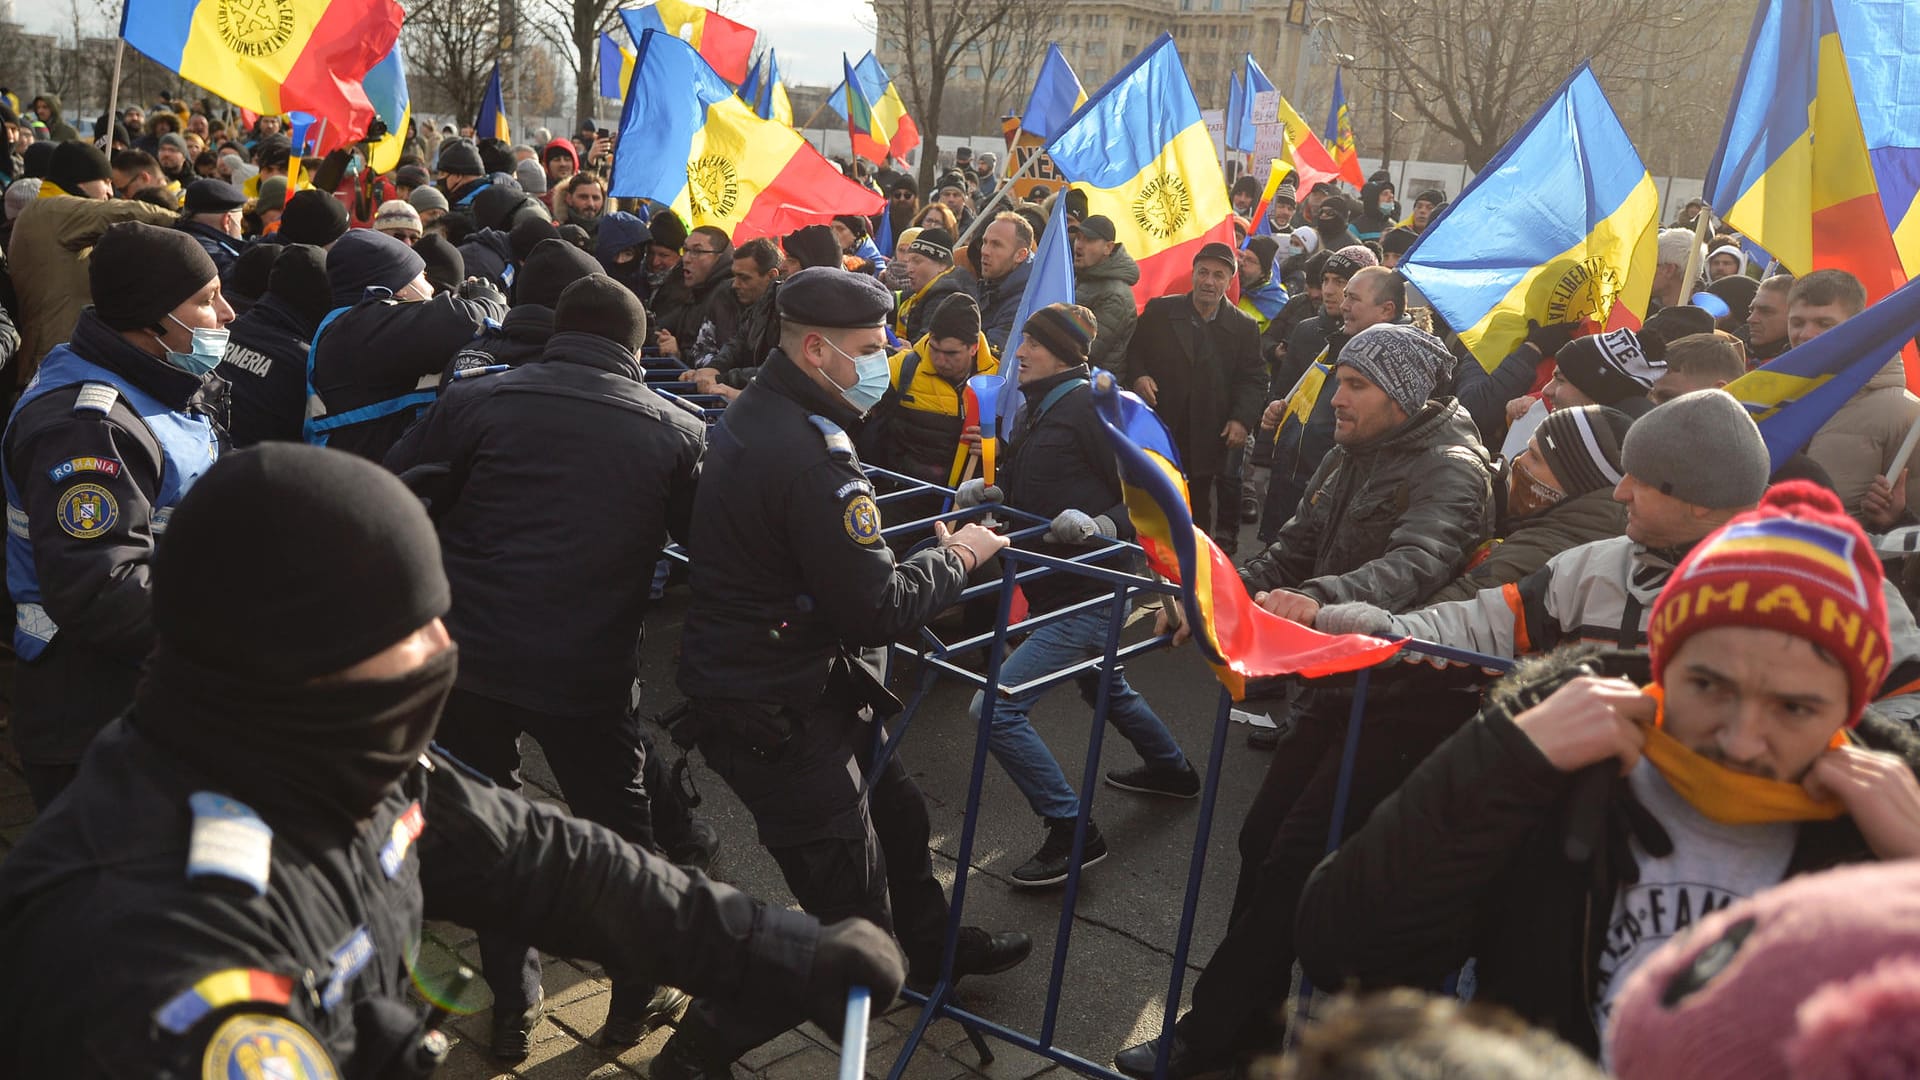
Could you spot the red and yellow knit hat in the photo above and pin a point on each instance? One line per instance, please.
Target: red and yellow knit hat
(1796, 563)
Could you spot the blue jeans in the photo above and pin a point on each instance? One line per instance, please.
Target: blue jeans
(1019, 748)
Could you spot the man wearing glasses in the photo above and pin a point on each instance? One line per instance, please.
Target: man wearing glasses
(706, 266)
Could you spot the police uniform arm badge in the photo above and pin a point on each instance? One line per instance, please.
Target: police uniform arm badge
(233, 1025)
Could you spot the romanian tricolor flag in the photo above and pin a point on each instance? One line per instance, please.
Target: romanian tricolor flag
(1559, 227)
(726, 45)
(492, 121)
(1141, 152)
(1881, 37)
(386, 87)
(1792, 396)
(1240, 639)
(272, 56)
(902, 134)
(1339, 136)
(1305, 152)
(862, 125)
(1057, 94)
(688, 141)
(616, 69)
(768, 95)
(1793, 170)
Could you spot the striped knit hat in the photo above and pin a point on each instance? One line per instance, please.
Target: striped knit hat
(1582, 446)
(1065, 330)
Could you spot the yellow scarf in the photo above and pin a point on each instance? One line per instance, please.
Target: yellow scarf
(1725, 795)
(50, 190)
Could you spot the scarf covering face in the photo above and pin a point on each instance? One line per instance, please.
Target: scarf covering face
(1725, 795)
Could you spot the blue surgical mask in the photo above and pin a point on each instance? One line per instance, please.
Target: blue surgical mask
(209, 345)
(871, 377)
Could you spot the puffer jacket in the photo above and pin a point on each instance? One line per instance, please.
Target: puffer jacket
(47, 258)
(916, 427)
(1528, 543)
(1387, 522)
(1106, 289)
(1468, 858)
(1859, 442)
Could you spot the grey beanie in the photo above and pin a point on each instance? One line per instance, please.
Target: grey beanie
(1402, 360)
(1701, 448)
(427, 198)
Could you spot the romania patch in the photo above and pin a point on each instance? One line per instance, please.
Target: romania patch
(106, 466)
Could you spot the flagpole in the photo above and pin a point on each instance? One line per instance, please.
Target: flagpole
(1701, 229)
(998, 197)
(105, 138)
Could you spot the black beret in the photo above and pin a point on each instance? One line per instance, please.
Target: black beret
(836, 299)
(213, 197)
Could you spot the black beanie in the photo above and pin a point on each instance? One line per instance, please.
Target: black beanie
(495, 156)
(1065, 330)
(346, 565)
(312, 217)
(1612, 368)
(810, 246)
(1398, 240)
(553, 265)
(299, 279)
(1264, 248)
(601, 306)
(139, 272)
(670, 232)
(246, 280)
(527, 234)
(460, 157)
(958, 316)
(365, 258)
(446, 267)
(74, 163)
(1675, 321)
(38, 159)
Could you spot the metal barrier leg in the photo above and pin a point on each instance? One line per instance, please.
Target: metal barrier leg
(943, 986)
(1196, 869)
(1090, 777)
(1343, 787)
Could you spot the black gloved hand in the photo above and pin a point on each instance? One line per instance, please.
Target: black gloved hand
(852, 952)
(479, 288)
(1551, 337)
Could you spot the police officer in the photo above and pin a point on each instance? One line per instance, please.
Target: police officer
(377, 357)
(550, 642)
(266, 359)
(240, 871)
(791, 582)
(211, 215)
(522, 336)
(116, 425)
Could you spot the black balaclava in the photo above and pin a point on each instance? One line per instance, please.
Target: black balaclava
(242, 683)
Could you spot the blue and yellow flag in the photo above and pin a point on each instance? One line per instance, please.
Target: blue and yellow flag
(386, 87)
(1559, 227)
(1240, 113)
(616, 69)
(492, 121)
(764, 91)
(1056, 95)
(1238, 638)
(1796, 393)
(687, 140)
(1141, 152)
(1339, 136)
(1051, 281)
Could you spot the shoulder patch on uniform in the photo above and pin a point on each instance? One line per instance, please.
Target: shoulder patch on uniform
(96, 397)
(349, 960)
(250, 1046)
(852, 486)
(862, 520)
(839, 444)
(217, 991)
(87, 511)
(406, 829)
(104, 465)
(229, 841)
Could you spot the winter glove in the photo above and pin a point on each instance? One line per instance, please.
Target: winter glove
(974, 492)
(1352, 619)
(1075, 527)
(850, 953)
(1551, 337)
(479, 288)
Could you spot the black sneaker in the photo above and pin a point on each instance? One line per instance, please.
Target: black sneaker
(1249, 511)
(1049, 865)
(684, 1058)
(977, 953)
(513, 1033)
(661, 1010)
(1180, 783)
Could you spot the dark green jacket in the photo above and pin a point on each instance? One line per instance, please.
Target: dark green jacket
(1532, 540)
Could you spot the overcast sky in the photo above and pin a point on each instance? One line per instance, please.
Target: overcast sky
(809, 35)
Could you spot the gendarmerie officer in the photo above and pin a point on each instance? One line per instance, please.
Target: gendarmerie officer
(116, 425)
(549, 614)
(791, 581)
(236, 879)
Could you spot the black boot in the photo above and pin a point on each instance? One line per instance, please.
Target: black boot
(1049, 865)
(513, 1032)
(690, 1055)
(1184, 1063)
(977, 953)
(625, 1028)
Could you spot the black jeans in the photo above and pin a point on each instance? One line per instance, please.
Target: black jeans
(843, 852)
(606, 771)
(1285, 836)
(1216, 507)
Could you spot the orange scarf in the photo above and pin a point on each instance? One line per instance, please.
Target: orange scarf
(1726, 795)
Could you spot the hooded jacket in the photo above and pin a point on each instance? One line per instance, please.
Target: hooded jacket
(58, 130)
(565, 144)
(1106, 289)
(47, 259)
(1467, 859)
(618, 232)
(1373, 220)
(1387, 522)
(1860, 441)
